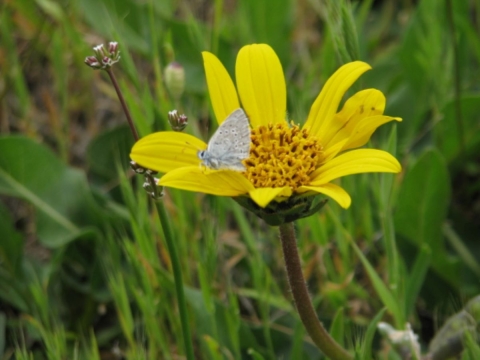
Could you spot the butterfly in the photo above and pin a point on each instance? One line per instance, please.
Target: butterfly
(229, 145)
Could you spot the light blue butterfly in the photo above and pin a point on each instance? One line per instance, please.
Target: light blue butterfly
(229, 145)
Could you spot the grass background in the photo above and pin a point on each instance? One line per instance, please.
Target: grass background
(84, 270)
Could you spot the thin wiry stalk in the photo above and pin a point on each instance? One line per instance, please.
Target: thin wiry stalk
(124, 104)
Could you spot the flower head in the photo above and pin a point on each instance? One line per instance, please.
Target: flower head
(177, 121)
(103, 59)
(288, 164)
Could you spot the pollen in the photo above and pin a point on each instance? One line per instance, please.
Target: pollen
(282, 155)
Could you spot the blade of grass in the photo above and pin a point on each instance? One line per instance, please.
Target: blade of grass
(416, 277)
(465, 254)
(16, 76)
(255, 355)
(177, 273)
(366, 348)
(337, 328)
(28, 195)
(388, 227)
(382, 291)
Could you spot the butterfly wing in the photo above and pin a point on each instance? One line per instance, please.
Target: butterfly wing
(230, 144)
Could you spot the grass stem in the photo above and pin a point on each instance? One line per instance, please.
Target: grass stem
(177, 275)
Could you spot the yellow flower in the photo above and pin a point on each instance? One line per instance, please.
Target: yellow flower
(286, 161)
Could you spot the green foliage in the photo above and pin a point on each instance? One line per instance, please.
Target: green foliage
(366, 348)
(422, 207)
(85, 272)
(60, 194)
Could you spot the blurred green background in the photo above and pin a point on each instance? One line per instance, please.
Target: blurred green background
(84, 270)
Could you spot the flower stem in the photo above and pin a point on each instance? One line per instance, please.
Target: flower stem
(177, 275)
(124, 104)
(303, 303)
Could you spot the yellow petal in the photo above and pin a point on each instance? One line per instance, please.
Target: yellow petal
(325, 106)
(220, 87)
(355, 162)
(167, 150)
(363, 104)
(261, 85)
(193, 178)
(360, 117)
(364, 130)
(334, 191)
(263, 196)
(330, 152)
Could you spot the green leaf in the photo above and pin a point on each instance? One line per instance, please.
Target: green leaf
(416, 277)
(387, 180)
(422, 207)
(273, 300)
(467, 257)
(108, 148)
(52, 9)
(423, 46)
(255, 355)
(385, 295)
(60, 194)
(337, 329)
(448, 133)
(366, 350)
(423, 201)
(471, 347)
(11, 245)
(213, 347)
(127, 20)
(17, 84)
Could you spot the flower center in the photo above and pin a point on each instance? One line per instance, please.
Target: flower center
(282, 156)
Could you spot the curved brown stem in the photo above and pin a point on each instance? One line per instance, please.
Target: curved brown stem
(124, 104)
(303, 303)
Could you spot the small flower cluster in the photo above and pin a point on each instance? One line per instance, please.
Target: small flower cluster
(104, 59)
(177, 121)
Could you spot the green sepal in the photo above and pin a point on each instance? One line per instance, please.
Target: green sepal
(278, 213)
